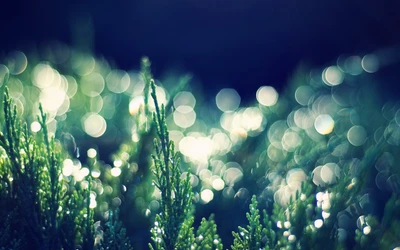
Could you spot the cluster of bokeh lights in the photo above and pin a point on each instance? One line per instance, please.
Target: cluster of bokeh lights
(326, 113)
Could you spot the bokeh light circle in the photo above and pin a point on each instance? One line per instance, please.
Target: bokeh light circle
(94, 124)
(227, 100)
(267, 96)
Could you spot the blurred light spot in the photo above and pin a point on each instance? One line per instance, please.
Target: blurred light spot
(324, 124)
(325, 104)
(238, 135)
(194, 180)
(291, 140)
(93, 202)
(4, 74)
(222, 144)
(332, 76)
(72, 86)
(206, 195)
(205, 174)
(96, 173)
(43, 75)
(330, 172)
(197, 149)
(68, 166)
(227, 100)
(115, 172)
(226, 121)
(319, 196)
(228, 192)
(84, 184)
(51, 126)
(117, 163)
(275, 154)
(218, 167)
(370, 63)
(52, 98)
(325, 215)
(267, 96)
(292, 238)
(317, 176)
(84, 172)
(117, 201)
(218, 184)
(303, 118)
(15, 88)
(94, 124)
(360, 221)
(357, 135)
(276, 132)
(252, 120)
(16, 62)
(136, 104)
(79, 174)
(64, 107)
(35, 126)
(184, 102)
(63, 83)
(91, 153)
(137, 84)
(96, 104)
(318, 223)
(295, 176)
(118, 81)
(352, 65)
(184, 120)
(366, 230)
(303, 95)
(232, 175)
(283, 195)
(92, 84)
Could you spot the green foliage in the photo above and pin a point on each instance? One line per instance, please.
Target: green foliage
(32, 187)
(250, 237)
(114, 237)
(172, 228)
(206, 235)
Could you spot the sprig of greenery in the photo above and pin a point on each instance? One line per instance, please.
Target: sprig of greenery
(206, 235)
(250, 237)
(50, 216)
(114, 237)
(176, 193)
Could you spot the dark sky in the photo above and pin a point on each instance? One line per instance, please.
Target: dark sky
(224, 43)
